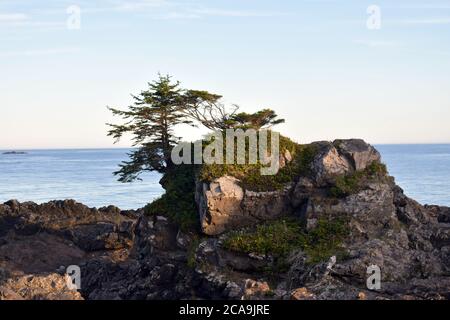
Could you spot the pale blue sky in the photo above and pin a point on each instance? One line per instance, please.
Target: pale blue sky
(315, 62)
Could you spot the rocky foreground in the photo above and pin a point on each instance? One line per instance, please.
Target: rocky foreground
(129, 255)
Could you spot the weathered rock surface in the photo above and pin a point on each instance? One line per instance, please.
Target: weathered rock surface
(225, 205)
(407, 241)
(358, 152)
(341, 157)
(391, 231)
(34, 287)
(38, 242)
(328, 164)
(441, 213)
(127, 255)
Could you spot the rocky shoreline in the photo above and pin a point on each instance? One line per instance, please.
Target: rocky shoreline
(130, 255)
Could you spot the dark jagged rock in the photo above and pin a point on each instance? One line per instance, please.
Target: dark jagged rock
(409, 242)
(442, 213)
(88, 228)
(36, 240)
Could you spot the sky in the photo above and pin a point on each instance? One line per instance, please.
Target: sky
(377, 70)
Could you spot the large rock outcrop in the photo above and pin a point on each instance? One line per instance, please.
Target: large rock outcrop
(224, 204)
(385, 228)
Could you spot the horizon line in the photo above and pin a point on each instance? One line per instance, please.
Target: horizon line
(131, 147)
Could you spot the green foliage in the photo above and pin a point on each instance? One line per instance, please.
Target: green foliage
(376, 169)
(275, 238)
(353, 183)
(151, 121)
(250, 174)
(178, 202)
(265, 118)
(191, 261)
(280, 237)
(346, 185)
(303, 156)
(325, 240)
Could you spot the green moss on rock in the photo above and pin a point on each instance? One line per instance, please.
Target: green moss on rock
(281, 237)
(178, 202)
(353, 183)
(250, 174)
(326, 239)
(276, 238)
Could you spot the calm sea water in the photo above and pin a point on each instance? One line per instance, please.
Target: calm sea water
(86, 176)
(83, 175)
(423, 171)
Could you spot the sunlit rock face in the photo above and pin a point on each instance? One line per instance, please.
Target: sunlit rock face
(225, 205)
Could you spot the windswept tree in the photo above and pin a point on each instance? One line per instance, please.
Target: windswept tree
(151, 121)
(207, 109)
(155, 113)
(263, 119)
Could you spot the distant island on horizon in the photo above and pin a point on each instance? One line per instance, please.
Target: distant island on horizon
(27, 150)
(14, 152)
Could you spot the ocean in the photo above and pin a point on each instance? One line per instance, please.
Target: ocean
(85, 175)
(423, 171)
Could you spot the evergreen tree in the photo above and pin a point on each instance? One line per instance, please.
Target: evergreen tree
(155, 113)
(207, 109)
(151, 120)
(263, 119)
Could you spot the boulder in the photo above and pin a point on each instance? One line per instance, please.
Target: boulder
(358, 152)
(256, 290)
(441, 213)
(225, 205)
(34, 287)
(100, 236)
(285, 158)
(328, 164)
(341, 157)
(302, 294)
(219, 203)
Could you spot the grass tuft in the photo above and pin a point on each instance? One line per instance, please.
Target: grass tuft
(353, 183)
(281, 237)
(250, 176)
(178, 202)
